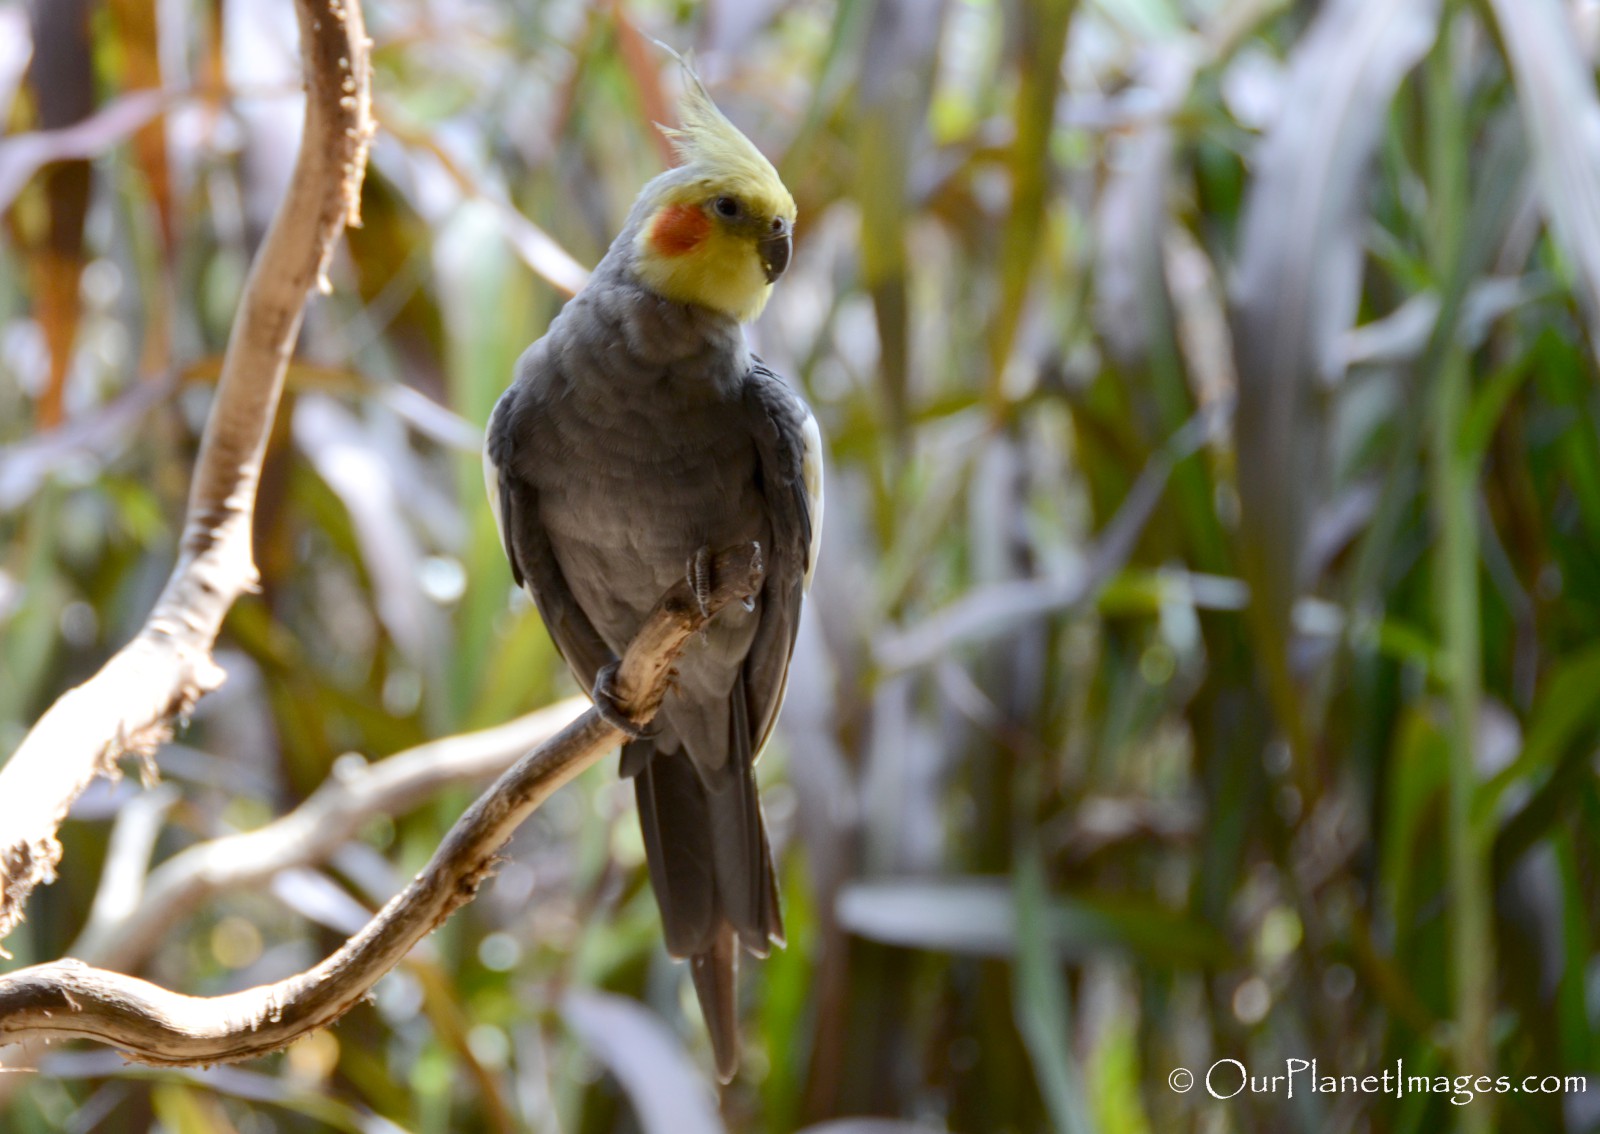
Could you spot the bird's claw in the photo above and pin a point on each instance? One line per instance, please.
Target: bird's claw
(606, 706)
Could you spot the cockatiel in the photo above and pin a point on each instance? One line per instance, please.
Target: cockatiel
(639, 437)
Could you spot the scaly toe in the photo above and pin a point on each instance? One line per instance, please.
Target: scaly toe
(604, 696)
(699, 576)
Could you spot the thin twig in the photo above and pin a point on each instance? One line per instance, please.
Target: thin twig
(334, 813)
(70, 1000)
(129, 706)
(537, 248)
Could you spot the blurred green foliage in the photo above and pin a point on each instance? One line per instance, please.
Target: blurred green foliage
(1201, 664)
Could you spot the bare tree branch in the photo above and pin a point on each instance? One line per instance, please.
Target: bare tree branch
(132, 912)
(125, 935)
(70, 1000)
(127, 708)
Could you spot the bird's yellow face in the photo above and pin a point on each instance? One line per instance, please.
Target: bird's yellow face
(720, 245)
(720, 232)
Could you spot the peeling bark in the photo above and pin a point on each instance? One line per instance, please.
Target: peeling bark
(129, 706)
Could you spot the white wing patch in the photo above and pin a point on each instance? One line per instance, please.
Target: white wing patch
(811, 472)
(491, 484)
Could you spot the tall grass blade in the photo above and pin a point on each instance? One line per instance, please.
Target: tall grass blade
(1556, 90)
(1298, 286)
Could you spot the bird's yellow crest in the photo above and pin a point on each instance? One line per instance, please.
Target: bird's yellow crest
(702, 242)
(708, 143)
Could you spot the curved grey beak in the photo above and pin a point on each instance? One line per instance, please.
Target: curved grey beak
(774, 251)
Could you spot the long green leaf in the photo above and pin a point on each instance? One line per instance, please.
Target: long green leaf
(1556, 90)
(979, 916)
(1298, 285)
(1043, 1008)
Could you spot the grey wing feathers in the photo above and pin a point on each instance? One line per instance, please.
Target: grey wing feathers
(527, 546)
(790, 463)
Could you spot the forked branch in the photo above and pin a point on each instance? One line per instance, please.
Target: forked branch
(71, 1000)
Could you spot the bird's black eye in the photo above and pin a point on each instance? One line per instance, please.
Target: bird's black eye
(726, 207)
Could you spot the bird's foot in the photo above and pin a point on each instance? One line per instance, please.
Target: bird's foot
(604, 697)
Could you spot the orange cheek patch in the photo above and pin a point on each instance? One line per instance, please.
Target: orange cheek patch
(678, 229)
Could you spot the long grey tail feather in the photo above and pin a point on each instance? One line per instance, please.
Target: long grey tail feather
(706, 843)
(746, 881)
(710, 862)
(675, 815)
(716, 973)
(710, 866)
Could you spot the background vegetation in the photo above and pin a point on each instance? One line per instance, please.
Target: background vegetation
(1203, 659)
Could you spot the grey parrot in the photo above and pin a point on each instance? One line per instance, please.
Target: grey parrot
(639, 436)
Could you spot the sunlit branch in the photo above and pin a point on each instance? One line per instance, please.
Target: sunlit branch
(128, 707)
(70, 1000)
